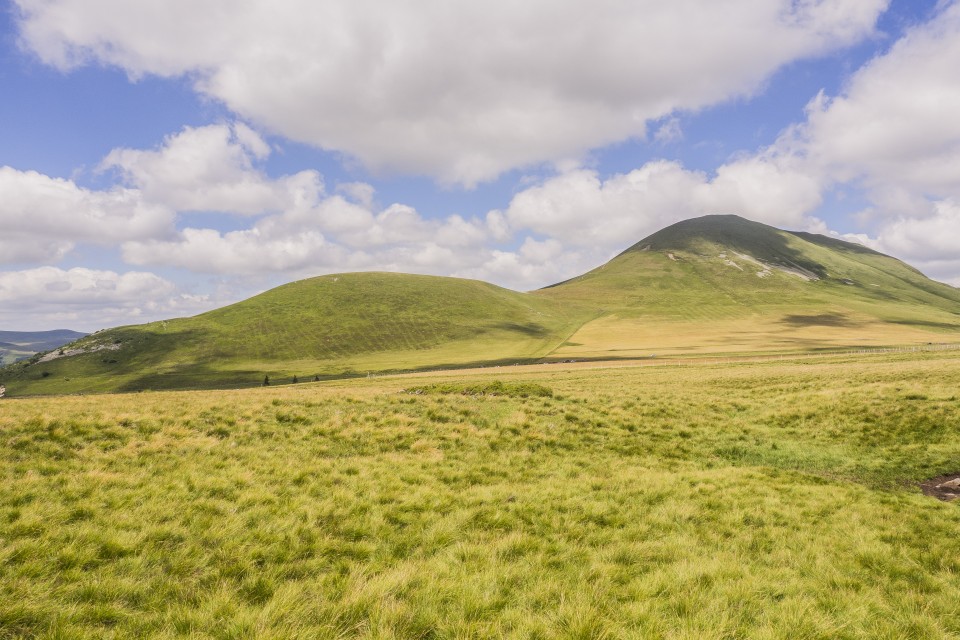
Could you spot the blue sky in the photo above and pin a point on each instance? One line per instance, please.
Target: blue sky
(160, 159)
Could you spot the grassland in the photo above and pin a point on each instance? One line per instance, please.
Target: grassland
(754, 500)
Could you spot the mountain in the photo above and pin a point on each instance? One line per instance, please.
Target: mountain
(710, 285)
(19, 345)
(329, 326)
(724, 284)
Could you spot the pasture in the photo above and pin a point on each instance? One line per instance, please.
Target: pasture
(738, 500)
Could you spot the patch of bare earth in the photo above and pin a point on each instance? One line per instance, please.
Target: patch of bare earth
(943, 487)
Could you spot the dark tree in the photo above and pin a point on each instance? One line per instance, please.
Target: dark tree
(295, 380)
(266, 381)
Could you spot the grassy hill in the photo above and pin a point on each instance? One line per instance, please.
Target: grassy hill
(725, 284)
(711, 285)
(329, 326)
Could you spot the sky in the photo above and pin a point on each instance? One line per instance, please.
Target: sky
(161, 158)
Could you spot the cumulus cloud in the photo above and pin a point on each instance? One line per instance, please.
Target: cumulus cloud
(43, 217)
(930, 242)
(246, 252)
(88, 298)
(580, 208)
(460, 91)
(80, 286)
(212, 169)
(896, 122)
(333, 234)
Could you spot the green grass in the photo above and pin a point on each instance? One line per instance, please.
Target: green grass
(760, 500)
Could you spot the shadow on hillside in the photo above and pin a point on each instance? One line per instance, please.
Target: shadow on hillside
(928, 323)
(532, 329)
(194, 377)
(835, 244)
(820, 320)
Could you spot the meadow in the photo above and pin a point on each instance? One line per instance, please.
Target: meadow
(774, 499)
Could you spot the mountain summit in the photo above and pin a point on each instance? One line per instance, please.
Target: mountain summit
(710, 285)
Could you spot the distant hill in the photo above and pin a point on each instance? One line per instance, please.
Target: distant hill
(18, 345)
(710, 285)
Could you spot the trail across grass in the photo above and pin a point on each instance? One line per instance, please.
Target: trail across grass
(760, 500)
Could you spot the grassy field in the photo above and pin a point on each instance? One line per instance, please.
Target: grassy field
(752, 500)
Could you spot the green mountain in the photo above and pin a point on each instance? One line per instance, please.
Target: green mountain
(724, 284)
(330, 326)
(711, 285)
(19, 345)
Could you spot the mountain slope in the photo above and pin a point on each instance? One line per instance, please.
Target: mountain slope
(725, 284)
(716, 284)
(345, 324)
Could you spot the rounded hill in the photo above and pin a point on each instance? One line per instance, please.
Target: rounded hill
(328, 326)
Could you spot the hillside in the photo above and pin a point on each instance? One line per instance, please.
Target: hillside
(18, 345)
(722, 284)
(330, 326)
(711, 285)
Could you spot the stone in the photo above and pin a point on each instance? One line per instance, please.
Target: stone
(950, 485)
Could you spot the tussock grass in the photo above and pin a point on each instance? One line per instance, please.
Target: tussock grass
(492, 388)
(760, 500)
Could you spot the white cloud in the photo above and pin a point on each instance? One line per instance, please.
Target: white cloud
(247, 252)
(461, 91)
(936, 237)
(579, 208)
(212, 169)
(668, 132)
(930, 243)
(338, 235)
(895, 129)
(42, 218)
(80, 286)
(333, 234)
(87, 298)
